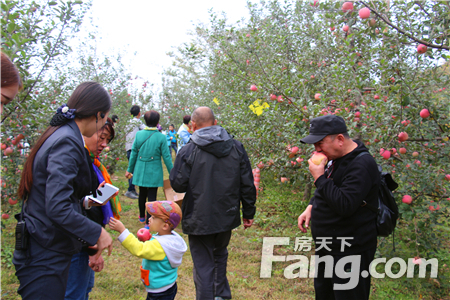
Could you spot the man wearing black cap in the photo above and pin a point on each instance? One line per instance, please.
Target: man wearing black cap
(342, 227)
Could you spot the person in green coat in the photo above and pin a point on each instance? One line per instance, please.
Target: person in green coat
(145, 164)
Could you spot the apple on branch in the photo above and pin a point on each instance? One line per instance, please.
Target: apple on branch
(407, 199)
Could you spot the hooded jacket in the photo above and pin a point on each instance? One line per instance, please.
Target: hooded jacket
(162, 255)
(214, 171)
(337, 210)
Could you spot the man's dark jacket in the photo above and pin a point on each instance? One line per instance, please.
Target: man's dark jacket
(337, 210)
(217, 177)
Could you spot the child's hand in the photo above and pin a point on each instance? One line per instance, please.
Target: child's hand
(116, 225)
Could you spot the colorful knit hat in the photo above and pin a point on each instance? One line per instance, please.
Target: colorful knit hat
(169, 211)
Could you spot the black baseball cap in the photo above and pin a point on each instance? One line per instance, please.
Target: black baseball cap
(320, 127)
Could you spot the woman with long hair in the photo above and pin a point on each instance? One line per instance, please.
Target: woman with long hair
(84, 264)
(56, 179)
(145, 162)
(11, 82)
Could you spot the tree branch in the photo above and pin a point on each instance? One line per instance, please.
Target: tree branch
(404, 32)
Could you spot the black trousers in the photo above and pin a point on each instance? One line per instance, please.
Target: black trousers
(146, 194)
(131, 187)
(42, 273)
(210, 255)
(324, 287)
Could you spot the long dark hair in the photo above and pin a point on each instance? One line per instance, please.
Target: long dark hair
(89, 98)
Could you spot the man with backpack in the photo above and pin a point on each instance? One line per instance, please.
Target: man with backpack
(342, 227)
(214, 171)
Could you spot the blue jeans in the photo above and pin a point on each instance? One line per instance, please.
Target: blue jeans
(166, 295)
(131, 187)
(81, 278)
(174, 147)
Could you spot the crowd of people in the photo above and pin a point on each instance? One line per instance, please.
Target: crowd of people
(60, 247)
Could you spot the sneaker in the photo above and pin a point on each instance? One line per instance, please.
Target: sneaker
(146, 227)
(142, 220)
(130, 195)
(135, 193)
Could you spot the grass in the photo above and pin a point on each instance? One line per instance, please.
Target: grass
(277, 209)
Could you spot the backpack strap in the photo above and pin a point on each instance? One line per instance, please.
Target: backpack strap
(145, 141)
(365, 204)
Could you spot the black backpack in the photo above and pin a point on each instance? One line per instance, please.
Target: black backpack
(387, 210)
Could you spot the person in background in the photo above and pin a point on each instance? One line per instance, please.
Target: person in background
(214, 171)
(11, 82)
(56, 179)
(184, 132)
(171, 139)
(134, 126)
(84, 264)
(114, 119)
(145, 166)
(162, 254)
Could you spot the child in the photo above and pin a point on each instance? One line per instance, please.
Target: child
(162, 254)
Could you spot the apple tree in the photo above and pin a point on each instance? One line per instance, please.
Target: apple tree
(265, 78)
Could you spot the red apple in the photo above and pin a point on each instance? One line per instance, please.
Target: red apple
(284, 179)
(432, 208)
(317, 96)
(415, 154)
(8, 151)
(447, 177)
(364, 13)
(117, 158)
(260, 165)
(407, 199)
(12, 201)
(424, 113)
(5, 216)
(376, 97)
(386, 154)
(253, 88)
(280, 99)
(402, 150)
(402, 136)
(318, 157)
(372, 22)
(417, 260)
(345, 28)
(393, 150)
(332, 28)
(4, 146)
(294, 150)
(421, 49)
(347, 6)
(357, 114)
(144, 235)
(273, 97)
(107, 149)
(299, 160)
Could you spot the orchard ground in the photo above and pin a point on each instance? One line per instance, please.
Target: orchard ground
(278, 207)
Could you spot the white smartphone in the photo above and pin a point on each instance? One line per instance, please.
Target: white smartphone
(104, 193)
